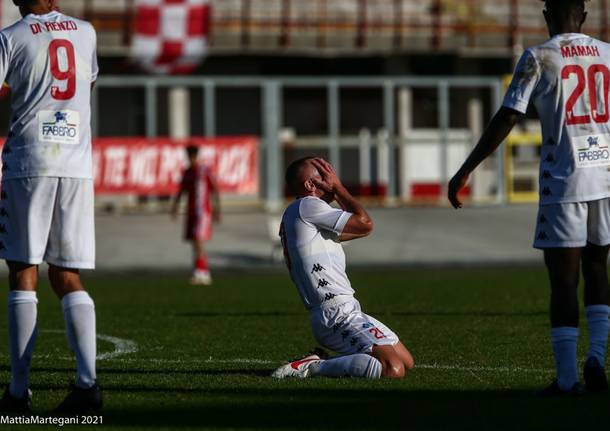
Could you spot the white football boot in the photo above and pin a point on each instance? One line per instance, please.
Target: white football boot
(201, 278)
(298, 369)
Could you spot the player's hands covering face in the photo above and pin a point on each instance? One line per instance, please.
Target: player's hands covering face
(328, 180)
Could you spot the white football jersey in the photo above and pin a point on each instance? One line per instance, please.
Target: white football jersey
(49, 61)
(310, 230)
(568, 80)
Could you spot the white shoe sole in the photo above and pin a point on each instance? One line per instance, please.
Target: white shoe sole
(287, 371)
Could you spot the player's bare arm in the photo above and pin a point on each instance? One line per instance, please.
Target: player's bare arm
(215, 201)
(497, 130)
(360, 223)
(176, 204)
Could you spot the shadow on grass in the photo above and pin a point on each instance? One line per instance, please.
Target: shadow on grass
(284, 406)
(367, 409)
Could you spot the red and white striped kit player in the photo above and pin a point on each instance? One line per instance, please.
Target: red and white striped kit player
(202, 210)
(198, 184)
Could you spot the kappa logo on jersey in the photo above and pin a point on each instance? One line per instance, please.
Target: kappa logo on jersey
(59, 126)
(329, 296)
(317, 268)
(592, 151)
(323, 283)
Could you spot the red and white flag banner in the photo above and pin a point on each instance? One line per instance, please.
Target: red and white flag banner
(170, 36)
(154, 166)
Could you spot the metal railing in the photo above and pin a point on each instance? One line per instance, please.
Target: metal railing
(272, 94)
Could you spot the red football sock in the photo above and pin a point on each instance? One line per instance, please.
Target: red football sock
(201, 264)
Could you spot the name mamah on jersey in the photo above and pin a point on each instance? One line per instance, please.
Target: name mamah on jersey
(59, 126)
(53, 26)
(591, 151)
(579, 51)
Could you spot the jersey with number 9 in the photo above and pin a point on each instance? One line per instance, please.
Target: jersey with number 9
(50, 63)
(568, 80)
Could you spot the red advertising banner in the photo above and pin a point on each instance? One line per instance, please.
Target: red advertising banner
(154, 166)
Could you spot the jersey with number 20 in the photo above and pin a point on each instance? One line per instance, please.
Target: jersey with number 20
(49, 62)
(568, 80)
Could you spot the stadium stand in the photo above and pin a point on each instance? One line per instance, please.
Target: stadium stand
(490, 27)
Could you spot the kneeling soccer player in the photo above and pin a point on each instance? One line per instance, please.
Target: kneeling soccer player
(311, 233)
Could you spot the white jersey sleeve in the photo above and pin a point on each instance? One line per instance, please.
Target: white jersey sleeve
(5, 58)
(525, 80)
(323, 216)
(95, 69)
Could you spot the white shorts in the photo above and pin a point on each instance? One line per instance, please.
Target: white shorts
(343, 328)
(48, 219)
(573, 225)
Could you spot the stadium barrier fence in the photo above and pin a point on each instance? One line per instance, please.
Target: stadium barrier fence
(399, 149)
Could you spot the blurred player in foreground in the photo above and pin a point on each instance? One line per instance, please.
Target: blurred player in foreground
(568, 79)
(46, 210)
(311, 233)
(203, 208)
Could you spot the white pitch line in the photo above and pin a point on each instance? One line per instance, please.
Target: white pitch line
(122, 346)
(439, 367)
(482, 369)
(201, 361)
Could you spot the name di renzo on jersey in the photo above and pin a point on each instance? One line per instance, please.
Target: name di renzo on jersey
(60, 127)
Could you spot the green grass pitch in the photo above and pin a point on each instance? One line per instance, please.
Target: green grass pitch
(204, 355)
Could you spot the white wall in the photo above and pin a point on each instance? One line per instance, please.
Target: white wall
(9, 13)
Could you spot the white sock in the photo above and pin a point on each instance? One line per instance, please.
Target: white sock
(79, 314)
(565, 341)
(598, 325)
(22, 313)
(358, 365)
